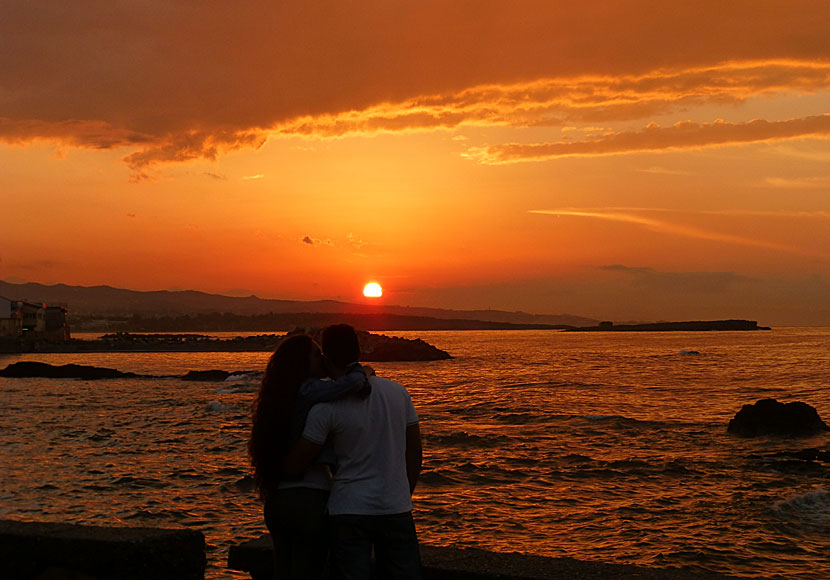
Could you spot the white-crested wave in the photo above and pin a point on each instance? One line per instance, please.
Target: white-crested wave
(812, 507)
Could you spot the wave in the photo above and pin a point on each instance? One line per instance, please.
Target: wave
(812, 507)
(139, 482)
(464, 439)
(237, 388)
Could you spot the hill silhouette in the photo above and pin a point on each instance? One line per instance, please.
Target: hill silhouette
(106, 301)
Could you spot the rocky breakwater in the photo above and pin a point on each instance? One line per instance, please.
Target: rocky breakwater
(771, 417)
(374, 347)
(382, 348)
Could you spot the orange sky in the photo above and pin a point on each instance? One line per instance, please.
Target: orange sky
(619, 160)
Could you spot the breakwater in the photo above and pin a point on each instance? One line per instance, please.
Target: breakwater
(33, 550)
(373, 347)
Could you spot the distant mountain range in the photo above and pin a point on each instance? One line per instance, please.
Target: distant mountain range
(105, 301)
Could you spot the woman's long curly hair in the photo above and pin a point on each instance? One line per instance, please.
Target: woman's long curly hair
(273, 408)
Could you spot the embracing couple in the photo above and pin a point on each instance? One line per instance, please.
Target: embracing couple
(336, 453)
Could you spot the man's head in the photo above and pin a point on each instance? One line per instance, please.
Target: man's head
(340, 345)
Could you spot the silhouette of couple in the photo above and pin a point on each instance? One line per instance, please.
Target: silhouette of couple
(336, 453)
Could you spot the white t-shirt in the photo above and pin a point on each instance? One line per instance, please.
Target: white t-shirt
(369, 440)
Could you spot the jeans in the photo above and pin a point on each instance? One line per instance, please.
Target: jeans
(296, 519)
(393, 537)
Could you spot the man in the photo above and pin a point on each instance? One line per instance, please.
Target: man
(377, 441)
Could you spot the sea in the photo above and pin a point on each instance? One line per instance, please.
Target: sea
(605, 446)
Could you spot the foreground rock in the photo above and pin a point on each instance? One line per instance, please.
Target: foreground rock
(256, 557)
(38, 550)
(769, 417)
(25, 369)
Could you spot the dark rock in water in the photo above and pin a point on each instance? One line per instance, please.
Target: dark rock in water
(382, 348)
(214, 375)
(769, 417)
(27, 369)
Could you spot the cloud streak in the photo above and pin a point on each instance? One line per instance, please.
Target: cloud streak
(681, 136)
(583, 99)
(666, 227)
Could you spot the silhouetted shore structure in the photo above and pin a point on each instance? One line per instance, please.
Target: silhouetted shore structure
(39, 550)
(692, 326)
(444, 563)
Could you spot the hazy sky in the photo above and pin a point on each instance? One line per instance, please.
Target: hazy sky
(619, 160)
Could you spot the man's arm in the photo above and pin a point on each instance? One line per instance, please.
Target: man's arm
(414, 454)
(354, 383)
(301, 457)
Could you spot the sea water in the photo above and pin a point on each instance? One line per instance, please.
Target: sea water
(598, 446)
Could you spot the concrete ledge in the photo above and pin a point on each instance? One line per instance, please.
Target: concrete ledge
(256, 558)
(39, 550)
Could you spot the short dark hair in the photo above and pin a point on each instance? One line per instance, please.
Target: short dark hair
(340, 345)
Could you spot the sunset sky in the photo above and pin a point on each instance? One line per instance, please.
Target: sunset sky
(636, 160)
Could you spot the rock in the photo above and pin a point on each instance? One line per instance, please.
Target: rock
(27, 369)
(769, 417)
(35, 550)
(382, 348)
(206, 376)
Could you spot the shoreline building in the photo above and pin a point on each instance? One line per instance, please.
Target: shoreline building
(11, 319)
(23, 320)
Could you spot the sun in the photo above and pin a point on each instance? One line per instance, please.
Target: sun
(372, 290)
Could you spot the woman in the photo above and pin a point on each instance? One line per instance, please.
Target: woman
(295, 510)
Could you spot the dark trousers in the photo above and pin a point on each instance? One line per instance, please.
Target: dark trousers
(296, 519)
(394, 541)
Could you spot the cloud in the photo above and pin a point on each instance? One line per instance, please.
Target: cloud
(173, 82)
(663, 171)
(250, 177)
(559, 101)
(684, 135)
(798, 183)
(316, 241)
(680, 282)
(667, 227)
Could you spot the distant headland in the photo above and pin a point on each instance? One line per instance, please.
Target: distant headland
(692, 326)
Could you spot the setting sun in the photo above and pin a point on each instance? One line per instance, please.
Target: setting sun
(372, 290)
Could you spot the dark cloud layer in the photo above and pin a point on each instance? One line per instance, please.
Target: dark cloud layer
(177, 81)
